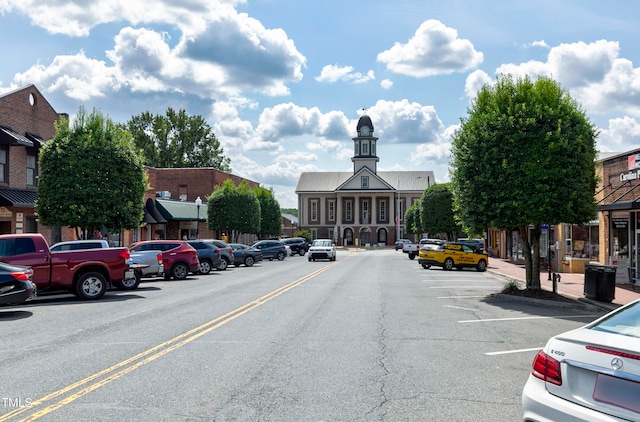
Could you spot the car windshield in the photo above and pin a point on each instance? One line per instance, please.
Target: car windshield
(321, 243)
(625, 322)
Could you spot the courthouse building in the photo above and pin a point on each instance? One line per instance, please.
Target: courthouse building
(362, 207)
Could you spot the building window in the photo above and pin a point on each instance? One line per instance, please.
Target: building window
(32, 168)
(373, 148)
(348, 216)
(331, 211)
(314, 210)
(365, 149)
(4, 167)
(382, 206)
(32, 225)
(365, 212)
(364, 180)
(314, 234)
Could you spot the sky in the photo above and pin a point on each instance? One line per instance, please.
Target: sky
(282, 83)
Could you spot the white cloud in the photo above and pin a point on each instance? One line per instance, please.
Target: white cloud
(386, 84)
(334, 73)
(476, 80)
(435, 49)
(623, 134)
(540, 43)
(404, 122)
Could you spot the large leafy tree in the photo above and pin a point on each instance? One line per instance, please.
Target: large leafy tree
(436, 212)
(270, 214)
(91, 177)
(177, 140)
(412, 223)
(524, 157)
(233, 209)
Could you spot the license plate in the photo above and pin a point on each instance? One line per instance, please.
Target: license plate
(617, 391)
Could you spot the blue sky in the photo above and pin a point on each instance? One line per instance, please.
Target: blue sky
(283, 82)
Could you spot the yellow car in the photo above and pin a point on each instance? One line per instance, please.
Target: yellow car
(453, 255)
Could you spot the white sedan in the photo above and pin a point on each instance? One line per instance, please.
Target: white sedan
(322, 249)
(588, 374)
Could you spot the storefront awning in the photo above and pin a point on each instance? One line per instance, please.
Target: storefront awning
(18, 198)
(151, 213)
(181, 210)
(621, 205)
(10, 137)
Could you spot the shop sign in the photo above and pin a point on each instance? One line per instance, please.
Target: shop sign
(5, 212)
(620, 219)
(633, 165)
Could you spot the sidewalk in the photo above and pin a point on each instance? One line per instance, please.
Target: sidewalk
(570, 285)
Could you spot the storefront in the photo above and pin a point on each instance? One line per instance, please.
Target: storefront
(619, 210)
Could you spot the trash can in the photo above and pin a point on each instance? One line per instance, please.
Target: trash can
(600, 282)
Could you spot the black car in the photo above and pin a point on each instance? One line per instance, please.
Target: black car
(271, 249)
(245, 254)
(226, 253)
(400, 243)
(208, 255)
(15, 284)
(298, 245)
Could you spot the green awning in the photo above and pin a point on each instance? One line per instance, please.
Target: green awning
(181, 210)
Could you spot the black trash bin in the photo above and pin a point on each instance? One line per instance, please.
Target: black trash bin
(600, 282)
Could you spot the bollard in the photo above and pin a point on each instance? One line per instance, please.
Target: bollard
(556, 280)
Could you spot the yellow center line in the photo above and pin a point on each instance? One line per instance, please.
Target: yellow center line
(128, 365)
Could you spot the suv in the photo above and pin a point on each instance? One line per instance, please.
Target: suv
(178, 257)
(298, 245)
(208, 255)
(322, 249)
(271, 249)
(225, 251)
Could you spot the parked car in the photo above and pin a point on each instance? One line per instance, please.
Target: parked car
(226, 253)
(453, 255)
(477, 244)
(298, 245)
(85, 273)
(399, 243)
(591, 373)
(15, 284)
(271, 249)
(208, 255)
(147, 263)
(322, 249)
(245, 254)
(74, 245)
(178, 257)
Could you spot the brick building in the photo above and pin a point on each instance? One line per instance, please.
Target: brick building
(27, 121)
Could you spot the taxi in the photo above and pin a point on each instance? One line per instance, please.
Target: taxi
(452, 255)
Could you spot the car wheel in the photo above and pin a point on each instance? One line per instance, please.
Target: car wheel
(309, 259)
(205, 267)
(248, 261)
(280, 256)
(235, 264)
(448, 264)
(223, 264)
(179, 271)
(129, 283)
(302, 252)
(426, 266)
(411, 256)
(333, 258)
(482, 265)
(91, 285)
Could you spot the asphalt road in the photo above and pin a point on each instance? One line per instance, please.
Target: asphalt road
(369, 337)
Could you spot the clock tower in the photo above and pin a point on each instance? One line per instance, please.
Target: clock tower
(364, 144)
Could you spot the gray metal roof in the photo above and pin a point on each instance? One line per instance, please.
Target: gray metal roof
(400, 180)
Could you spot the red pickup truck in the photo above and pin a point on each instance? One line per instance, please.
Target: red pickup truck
(85, 273)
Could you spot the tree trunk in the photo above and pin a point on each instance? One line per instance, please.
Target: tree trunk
(531, 249)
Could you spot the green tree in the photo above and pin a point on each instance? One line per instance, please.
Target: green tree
(412, 223)
(177, 140)
(437, 213)
(270, 215)
(524, 157)
(233, 209)
(91, 177)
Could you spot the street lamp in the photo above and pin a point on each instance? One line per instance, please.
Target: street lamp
(198, 203)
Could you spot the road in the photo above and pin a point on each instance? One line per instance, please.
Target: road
(369, 337)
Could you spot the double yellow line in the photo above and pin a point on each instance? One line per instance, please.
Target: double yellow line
(104, 377)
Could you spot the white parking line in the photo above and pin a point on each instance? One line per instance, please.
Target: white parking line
(464, 287)
(525, 318)
(506, 352)
(458, 307)
(461, 297)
